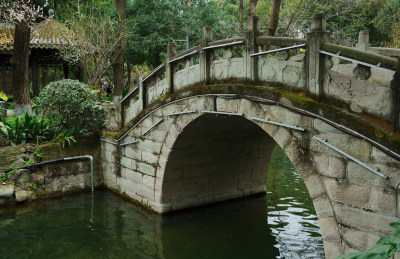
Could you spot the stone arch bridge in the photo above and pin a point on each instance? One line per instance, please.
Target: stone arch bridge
(202, 126)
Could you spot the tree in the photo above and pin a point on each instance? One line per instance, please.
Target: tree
(241, 17)
(94, 45)
(274, 18)
(23, 13)
(152, 24)
(120, 49)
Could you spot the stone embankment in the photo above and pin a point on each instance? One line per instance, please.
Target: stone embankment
(47, 180)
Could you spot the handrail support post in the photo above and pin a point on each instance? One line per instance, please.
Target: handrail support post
(205, 56)
(250, 47)
(314, 60)
(169, 71)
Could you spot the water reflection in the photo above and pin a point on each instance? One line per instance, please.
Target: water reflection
(281, 225)
(291, 214)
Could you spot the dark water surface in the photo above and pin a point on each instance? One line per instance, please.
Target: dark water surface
(281, 225)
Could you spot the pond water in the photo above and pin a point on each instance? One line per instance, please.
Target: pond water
(280, 225)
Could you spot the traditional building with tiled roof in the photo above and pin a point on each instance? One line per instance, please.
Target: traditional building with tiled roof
(46, 38)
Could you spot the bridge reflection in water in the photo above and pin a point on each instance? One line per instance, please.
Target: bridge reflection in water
(281, 225)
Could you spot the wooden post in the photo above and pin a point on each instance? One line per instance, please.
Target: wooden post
(142, 94)
(315, 62)
(66, 70)
(35, 77)
(395, 91)
(80, 74)
(205, 56)
(250, 47)
(3, 75)
(169, 71)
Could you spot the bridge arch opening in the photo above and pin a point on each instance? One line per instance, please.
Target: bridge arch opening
(218, 158)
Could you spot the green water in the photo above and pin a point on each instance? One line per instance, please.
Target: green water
(281, 225)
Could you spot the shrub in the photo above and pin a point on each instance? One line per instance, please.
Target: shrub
(26, 127)
(72, 106)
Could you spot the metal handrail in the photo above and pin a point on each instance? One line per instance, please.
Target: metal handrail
(278, 50)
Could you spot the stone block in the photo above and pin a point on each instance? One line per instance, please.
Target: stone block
(146, 169)
(6, 190)
(329, 229)
(323, 207)
(355, 239)
(285, 116)
(351, 145)
(330, 166)
(282, 137)
(38, 178)
(150, 146)
(108, 156)
(332, 249)
(145, 191)
(372, 239)
(149, 157)
(366, 221)
(314, 185)
(348, 193)
(160, 207)
(360, 175)
(324, 127)
(126, 162)
(383, 201)
(110, 180)
(132, 175)
(21, 195)
(378, 156)
(149, 181)
(132, 151)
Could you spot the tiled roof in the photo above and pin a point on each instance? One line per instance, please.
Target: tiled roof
(49, 34)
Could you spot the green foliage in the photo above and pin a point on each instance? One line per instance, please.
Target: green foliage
(384, 248)
(32, 186)
(64, 139)
(38, 153)
(19, 130)
(152, 24)
(28, 162)
(72, 106)
(5, 179)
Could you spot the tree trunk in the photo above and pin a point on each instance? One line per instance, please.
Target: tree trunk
(253, 7)
(241, 17)
(20, 68)
(273, 19)
(130, 78)
(119, 60)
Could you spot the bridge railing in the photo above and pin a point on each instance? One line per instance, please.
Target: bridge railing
(312, 72)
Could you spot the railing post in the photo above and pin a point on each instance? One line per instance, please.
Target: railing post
(363, 40)
(169, 71)
(314, 60)
(205, 56)
(142, 94)
(395, 88)
(250, 47)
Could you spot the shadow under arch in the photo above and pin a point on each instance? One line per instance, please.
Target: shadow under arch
(216, 158)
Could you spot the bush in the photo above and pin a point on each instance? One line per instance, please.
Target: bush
(26, 127)
(72, 106)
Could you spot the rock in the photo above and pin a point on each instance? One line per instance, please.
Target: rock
(21, 196)
(38, 178)
(6, 190)
(21, 176)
